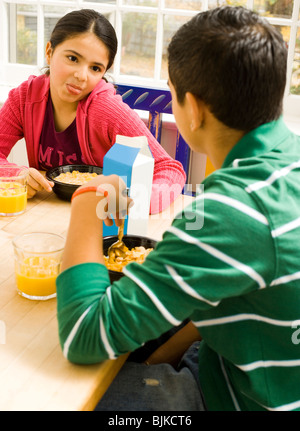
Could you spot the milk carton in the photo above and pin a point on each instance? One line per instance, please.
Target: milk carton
(131, 159)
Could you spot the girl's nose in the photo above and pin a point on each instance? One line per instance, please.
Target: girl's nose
(81, 74)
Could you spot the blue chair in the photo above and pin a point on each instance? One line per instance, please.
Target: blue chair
(156, 102)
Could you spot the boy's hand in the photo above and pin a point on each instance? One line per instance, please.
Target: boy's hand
(115, 203)
(37, 182)
(89, 210)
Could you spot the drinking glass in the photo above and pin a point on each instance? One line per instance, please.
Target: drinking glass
(13, 190)
(38, 258)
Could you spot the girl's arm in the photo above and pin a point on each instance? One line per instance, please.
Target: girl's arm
(11, 127)
(37, 182)
(108, 117)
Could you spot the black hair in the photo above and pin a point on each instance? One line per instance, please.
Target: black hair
(235, 62)
(82, 21)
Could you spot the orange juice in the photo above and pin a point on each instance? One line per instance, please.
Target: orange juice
(13, 197)
(36, 276)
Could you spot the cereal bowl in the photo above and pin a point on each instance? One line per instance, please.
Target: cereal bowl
(130, 241)
(65, 190)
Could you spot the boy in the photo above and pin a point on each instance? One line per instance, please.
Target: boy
(236, 278)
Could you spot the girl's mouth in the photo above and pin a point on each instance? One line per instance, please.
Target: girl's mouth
(74, 89)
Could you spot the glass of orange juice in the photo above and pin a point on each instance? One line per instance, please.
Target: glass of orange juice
(13, 189)
(37, 264)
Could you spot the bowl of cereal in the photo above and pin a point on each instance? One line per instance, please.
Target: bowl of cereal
(68, 178)
(138, 249)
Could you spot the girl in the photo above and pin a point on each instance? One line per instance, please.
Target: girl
(71, 115)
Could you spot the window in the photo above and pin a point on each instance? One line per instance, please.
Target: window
(144, 29)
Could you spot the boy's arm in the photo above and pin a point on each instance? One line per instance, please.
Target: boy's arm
(84, 239)
(173, 349)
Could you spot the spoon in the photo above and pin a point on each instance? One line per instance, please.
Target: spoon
(118, 248)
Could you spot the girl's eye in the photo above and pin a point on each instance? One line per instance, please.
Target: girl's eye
(72, 58)
(96, 69)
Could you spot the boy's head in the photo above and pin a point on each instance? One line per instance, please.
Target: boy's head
(235, 62)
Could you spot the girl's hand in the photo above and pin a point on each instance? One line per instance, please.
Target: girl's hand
(37, 182)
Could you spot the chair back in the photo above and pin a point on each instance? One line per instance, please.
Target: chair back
(156, 102)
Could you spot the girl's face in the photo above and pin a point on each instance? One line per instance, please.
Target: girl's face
(77, 65)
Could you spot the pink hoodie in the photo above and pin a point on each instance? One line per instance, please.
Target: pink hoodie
(100, 117)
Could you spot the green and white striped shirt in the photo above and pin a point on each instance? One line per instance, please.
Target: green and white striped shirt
(237, 278)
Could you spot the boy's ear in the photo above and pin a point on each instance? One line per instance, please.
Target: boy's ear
(48, 52)
(196, 111)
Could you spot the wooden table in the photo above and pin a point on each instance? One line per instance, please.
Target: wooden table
(34, 375)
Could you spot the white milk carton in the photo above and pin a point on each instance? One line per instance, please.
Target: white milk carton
(131, 159)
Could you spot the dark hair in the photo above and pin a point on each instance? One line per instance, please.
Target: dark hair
(82, 21)
(235, 62)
